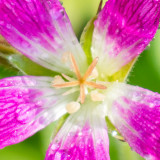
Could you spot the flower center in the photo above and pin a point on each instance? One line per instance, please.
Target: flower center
(81, 81)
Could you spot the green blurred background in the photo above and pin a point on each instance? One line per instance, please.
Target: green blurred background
(146, 73)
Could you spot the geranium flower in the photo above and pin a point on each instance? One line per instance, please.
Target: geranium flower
(41, 30)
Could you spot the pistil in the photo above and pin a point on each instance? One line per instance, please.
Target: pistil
(81, 80)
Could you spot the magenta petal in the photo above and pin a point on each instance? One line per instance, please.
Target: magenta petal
(40, 29)
(123, 30)
(23, 107)
(80, 139)
(136, 114)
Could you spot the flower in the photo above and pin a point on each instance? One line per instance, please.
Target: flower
(41, 30)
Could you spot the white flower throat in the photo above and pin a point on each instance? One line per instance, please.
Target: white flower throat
(83, 82)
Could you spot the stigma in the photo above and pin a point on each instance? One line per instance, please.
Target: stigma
(82, 81)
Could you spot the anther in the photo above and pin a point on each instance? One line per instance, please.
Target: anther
(72, 107)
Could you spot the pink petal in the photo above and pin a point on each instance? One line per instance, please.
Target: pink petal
(136, 114)
(123, 30)
(40, 29)
(26, 106)
(81, 138)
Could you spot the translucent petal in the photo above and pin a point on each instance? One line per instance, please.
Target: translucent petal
(122, 31)
(136, 114)
(27, 104)
(83, 136)
(41, 30)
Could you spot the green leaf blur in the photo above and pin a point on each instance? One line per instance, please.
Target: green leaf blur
(14, 63)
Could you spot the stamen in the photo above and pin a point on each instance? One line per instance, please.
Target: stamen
(72, 107)
(94, 74)
(96, 96)
(58, 80)
(67, 77)
(81, 82)
(104, 83)
(75, 66)
(70, 91)
(67, 84)
(95, 85)
(82, 93)
(90, 68)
